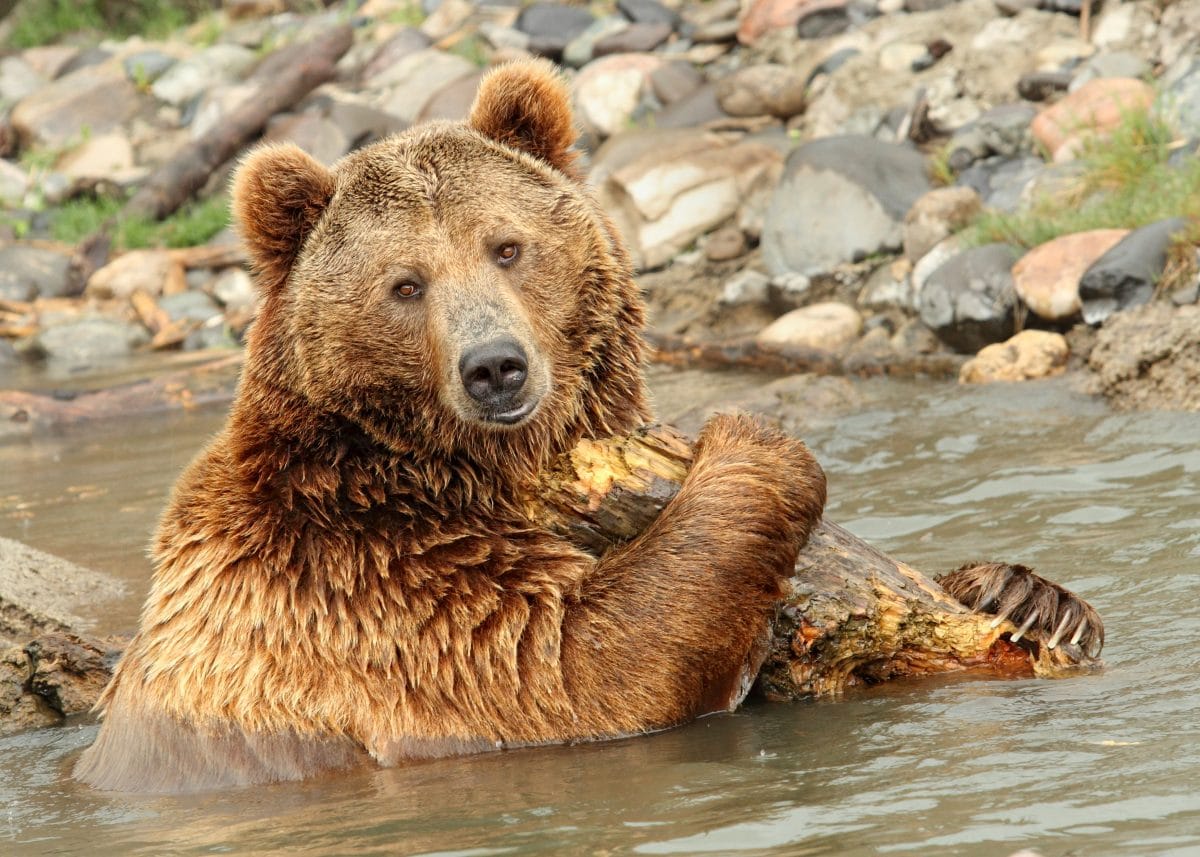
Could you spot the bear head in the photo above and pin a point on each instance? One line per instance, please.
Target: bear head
(453, 290)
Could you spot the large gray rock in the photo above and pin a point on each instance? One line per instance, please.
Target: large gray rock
(89, 101)
(551, 27)
(840, 199)
(648, 12)
(31, 272)
(969, 301)
(40, 592)
(1126, 275)
(188, 78)
(86, 342)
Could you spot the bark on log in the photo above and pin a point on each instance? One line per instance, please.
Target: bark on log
(854, 615)
(283, 79)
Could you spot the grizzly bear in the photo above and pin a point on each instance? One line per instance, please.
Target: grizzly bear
(349, 571)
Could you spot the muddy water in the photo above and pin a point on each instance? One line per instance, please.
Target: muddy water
(1104, 764)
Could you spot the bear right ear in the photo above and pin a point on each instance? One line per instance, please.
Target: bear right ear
(526, 105)
(279, 192)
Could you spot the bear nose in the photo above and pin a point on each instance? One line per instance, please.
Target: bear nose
(494, 372)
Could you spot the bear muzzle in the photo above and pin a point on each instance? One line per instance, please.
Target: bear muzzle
(494, 375)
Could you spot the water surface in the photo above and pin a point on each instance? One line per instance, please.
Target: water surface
(1108, 504)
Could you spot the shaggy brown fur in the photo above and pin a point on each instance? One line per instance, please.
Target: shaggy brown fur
(349, 570)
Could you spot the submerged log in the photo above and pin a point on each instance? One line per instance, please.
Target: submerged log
(854, 615)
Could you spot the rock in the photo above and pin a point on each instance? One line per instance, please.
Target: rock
(1149, 357)
(937, 215)
(665, 188)
(49, 60)
(824, 18)
(692, 111)
(18, 79)
(84, 59)
(1028, 355)
(28, 272)
(715, 33)
(1109, 65)
(762, 90)
(673, 81)
(1003, 182)
(86, 342)
(8, 355)
(889, 287)
(105, 158)
(403, 43)
(317, 136)
(90, 101)
(841, 199)
(551, 27)
(827, 326)
(762, 16)
(137, 270)
(725, 244)
(361, 122)
(636, 38)
(51, 677)
(609, 90)
(1096, 108)
(1002, 131)
(745, 287)
(146, 67)
(898, 57)
(1127, 274)
(234, 289)
(1047, 277)
(14, 184)
(452, 101)
(412, 81)
(188, 78)
(1182, 101)
(1043, 85)
(189, 307)
(970, 300)
(581, 49)
(790, 289)
(648, 12)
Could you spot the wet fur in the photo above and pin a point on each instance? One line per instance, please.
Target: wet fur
(349, 570)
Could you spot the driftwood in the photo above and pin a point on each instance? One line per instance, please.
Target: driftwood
(283, 79)
(747, 353)
(854, 615)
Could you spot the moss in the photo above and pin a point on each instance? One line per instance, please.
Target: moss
(1126, 183)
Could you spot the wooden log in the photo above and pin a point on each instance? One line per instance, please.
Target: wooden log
(854, 615)
(283, 79)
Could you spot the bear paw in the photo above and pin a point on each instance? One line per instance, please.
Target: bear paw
(1030, 602)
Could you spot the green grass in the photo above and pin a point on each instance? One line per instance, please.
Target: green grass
(40, 22)
(194, 224)
(1126, 183)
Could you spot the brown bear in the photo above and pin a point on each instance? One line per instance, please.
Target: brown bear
(349, 571)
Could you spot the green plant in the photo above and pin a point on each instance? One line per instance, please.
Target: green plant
(408, 15)
(193, 224)
(38, 22)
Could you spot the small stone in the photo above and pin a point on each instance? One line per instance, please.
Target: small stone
(762, 16)
(970, 301)
(146, 67)
(648, 12)
(889, 287)
(28, 272)
(1094, 109)
(634, 39)
(107, 157)
(693, 110)
(319, 137)
(827, 326)
(1043, 85)
(1047, 277)
(189, 306)
(609, 90)
(790, 289)
(190, 77)
(725, 244)
(1028, 355)
(937, 215)
(745, 287)
(13, 183)
(898, 57)
(762, 90)
(581, 49)
(824, 18)
(49, 61)
(1106, 65)
(551, 27)
(1127, 275)
(137, 270)
(234, 289)
(675, 80)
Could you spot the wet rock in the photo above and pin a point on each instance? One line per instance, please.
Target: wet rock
(147, 66)
(1027, 355)
(636, 38)
(935, 216)
(28, 272)
(841, 199)
(403, 43)
(137, 270)
(745, 287)
(762, 90)
(725, 244)
(86, 342)
(1047, 277)
(1149, 357)
(91, 101)
(189, 78)
(18, 79)
(666, 188)
(551, 27)
(53, 676)
(1043, 85)
(648, 12)
(970, 301)
(609, 90)
(1127, 274)
(1096, 108)
(581, 49)
(412, 81)
(829, 326)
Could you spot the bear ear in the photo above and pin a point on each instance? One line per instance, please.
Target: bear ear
(526, 105)
(279, 193)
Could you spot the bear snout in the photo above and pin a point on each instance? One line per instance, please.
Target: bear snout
(494, 374)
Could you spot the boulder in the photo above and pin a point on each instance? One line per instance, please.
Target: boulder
(1127, 274)
(1047, 277)
(89, 101)
(86, 342)
(841, 199)
(1095, 109)
(27, 273)
(829, 326)
(1027, 355)
(969, 301)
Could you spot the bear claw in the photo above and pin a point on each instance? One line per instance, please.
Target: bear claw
(1015, 593)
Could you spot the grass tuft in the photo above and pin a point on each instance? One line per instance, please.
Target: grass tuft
(194, 224)
(40, 22)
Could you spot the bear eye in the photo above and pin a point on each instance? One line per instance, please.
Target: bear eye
(508, 253)
(407, 289)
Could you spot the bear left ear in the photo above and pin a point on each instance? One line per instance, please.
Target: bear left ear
(526, 105)
(279, 192)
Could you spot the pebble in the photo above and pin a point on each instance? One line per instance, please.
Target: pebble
(1047, 277)
(829, 326)
(745, 287)
(759, 90)
(725, 244)
(635, 38)
(648, 12)
(1028, 355)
